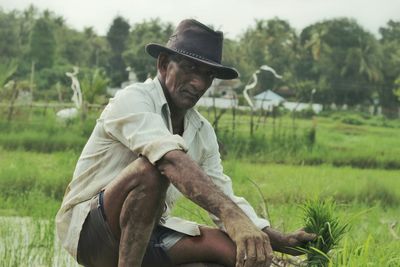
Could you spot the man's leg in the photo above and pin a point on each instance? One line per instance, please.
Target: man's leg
(133, 204)
(212, 248)
(200, 265)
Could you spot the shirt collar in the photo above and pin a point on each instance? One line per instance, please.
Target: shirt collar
(191, 117)
(161, 97)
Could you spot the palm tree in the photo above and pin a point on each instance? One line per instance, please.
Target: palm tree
(316, 43)
(364, 59)
(7, 69)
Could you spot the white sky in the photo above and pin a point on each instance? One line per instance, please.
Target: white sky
(230, 16)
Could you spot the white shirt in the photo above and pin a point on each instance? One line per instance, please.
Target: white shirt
(137, 122)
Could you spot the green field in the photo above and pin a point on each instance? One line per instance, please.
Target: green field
(357, 165)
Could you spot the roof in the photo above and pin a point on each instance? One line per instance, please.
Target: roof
(268, 95)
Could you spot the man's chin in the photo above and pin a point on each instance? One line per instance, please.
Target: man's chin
(188, 104)
(191, 105)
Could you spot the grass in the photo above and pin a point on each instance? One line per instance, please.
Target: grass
(320, 218)
(30, 242)
(284, 187)
(369, 241)
(373, 143)
(356, 164)
(280, 140)
(44, 132)
(33, 184)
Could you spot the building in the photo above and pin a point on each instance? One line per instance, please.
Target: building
(267, 100)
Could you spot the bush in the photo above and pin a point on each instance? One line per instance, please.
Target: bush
(353, 120)
(375, 193)
(306, 113)
(45, 133)
(42, 142)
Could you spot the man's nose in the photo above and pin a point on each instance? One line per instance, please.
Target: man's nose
(199, 82)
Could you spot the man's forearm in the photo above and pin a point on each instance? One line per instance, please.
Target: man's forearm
(288, 243)
(191, 181)
(277, 239)
(187, 176)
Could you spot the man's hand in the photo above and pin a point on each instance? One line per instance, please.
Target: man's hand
(253, 246)
(288, 243)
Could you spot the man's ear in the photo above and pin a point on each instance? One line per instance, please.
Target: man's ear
(162, 64)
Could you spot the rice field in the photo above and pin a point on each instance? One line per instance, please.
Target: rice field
(367, 199)
(355, 164)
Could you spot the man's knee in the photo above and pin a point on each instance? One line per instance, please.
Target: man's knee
(145, 176)
(146, 190)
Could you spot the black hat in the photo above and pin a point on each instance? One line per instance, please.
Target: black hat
(196, 41)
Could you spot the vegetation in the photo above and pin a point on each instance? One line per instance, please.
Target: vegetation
(331, 61)
(320, 218)
(32, 181)
(342, 139)
(348, 156)
(40, 180)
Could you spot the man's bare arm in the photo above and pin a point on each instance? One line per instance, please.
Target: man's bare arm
(289, 243)
(253, 246)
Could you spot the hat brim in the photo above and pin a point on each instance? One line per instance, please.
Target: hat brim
(221, 71)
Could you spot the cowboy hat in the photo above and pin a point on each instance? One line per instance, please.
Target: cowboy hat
(198, 42)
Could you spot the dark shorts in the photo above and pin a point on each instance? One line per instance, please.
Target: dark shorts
(98, 247)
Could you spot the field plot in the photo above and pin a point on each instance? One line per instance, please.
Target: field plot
(276, 169)
(368, 199)
(30, 242)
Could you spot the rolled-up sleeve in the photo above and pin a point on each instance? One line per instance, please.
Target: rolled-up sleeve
(131, 119)
(213, 167)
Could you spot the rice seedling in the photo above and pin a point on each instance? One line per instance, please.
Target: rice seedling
(319, 218)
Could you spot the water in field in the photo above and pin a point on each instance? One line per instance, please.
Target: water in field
(31, 242)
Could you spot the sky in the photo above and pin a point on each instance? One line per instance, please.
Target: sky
(233, 17)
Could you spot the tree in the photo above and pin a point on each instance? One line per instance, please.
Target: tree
(99, 49)
(313, 65)
(233, 55)
(26, 24)
(75, 48)
(390, 44)
(270, 42)
(143, 33)
(7, 69)
(9, 36)
(390, 33)
(117, 37)
(42, 44)
(94, 84)
(396, 91)
(341, 55)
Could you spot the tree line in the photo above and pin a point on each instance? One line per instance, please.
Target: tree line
(331, 61)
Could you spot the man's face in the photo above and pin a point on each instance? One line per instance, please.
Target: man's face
(186, 81)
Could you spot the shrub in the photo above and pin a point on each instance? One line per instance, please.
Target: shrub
(353, 120)
(306, 113)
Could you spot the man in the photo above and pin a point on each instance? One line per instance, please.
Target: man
(148, 147)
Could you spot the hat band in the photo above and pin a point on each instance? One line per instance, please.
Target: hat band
(194, 55)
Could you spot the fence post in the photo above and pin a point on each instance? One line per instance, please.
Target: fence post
(45, 108)
(233, 120)
(14, 96)
(251, 122)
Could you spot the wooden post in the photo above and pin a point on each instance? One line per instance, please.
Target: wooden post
(214, 108)
(45, 107)
(233, 120)
(14, 96)
(58, 87)
(32, 78)
(251, 123)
